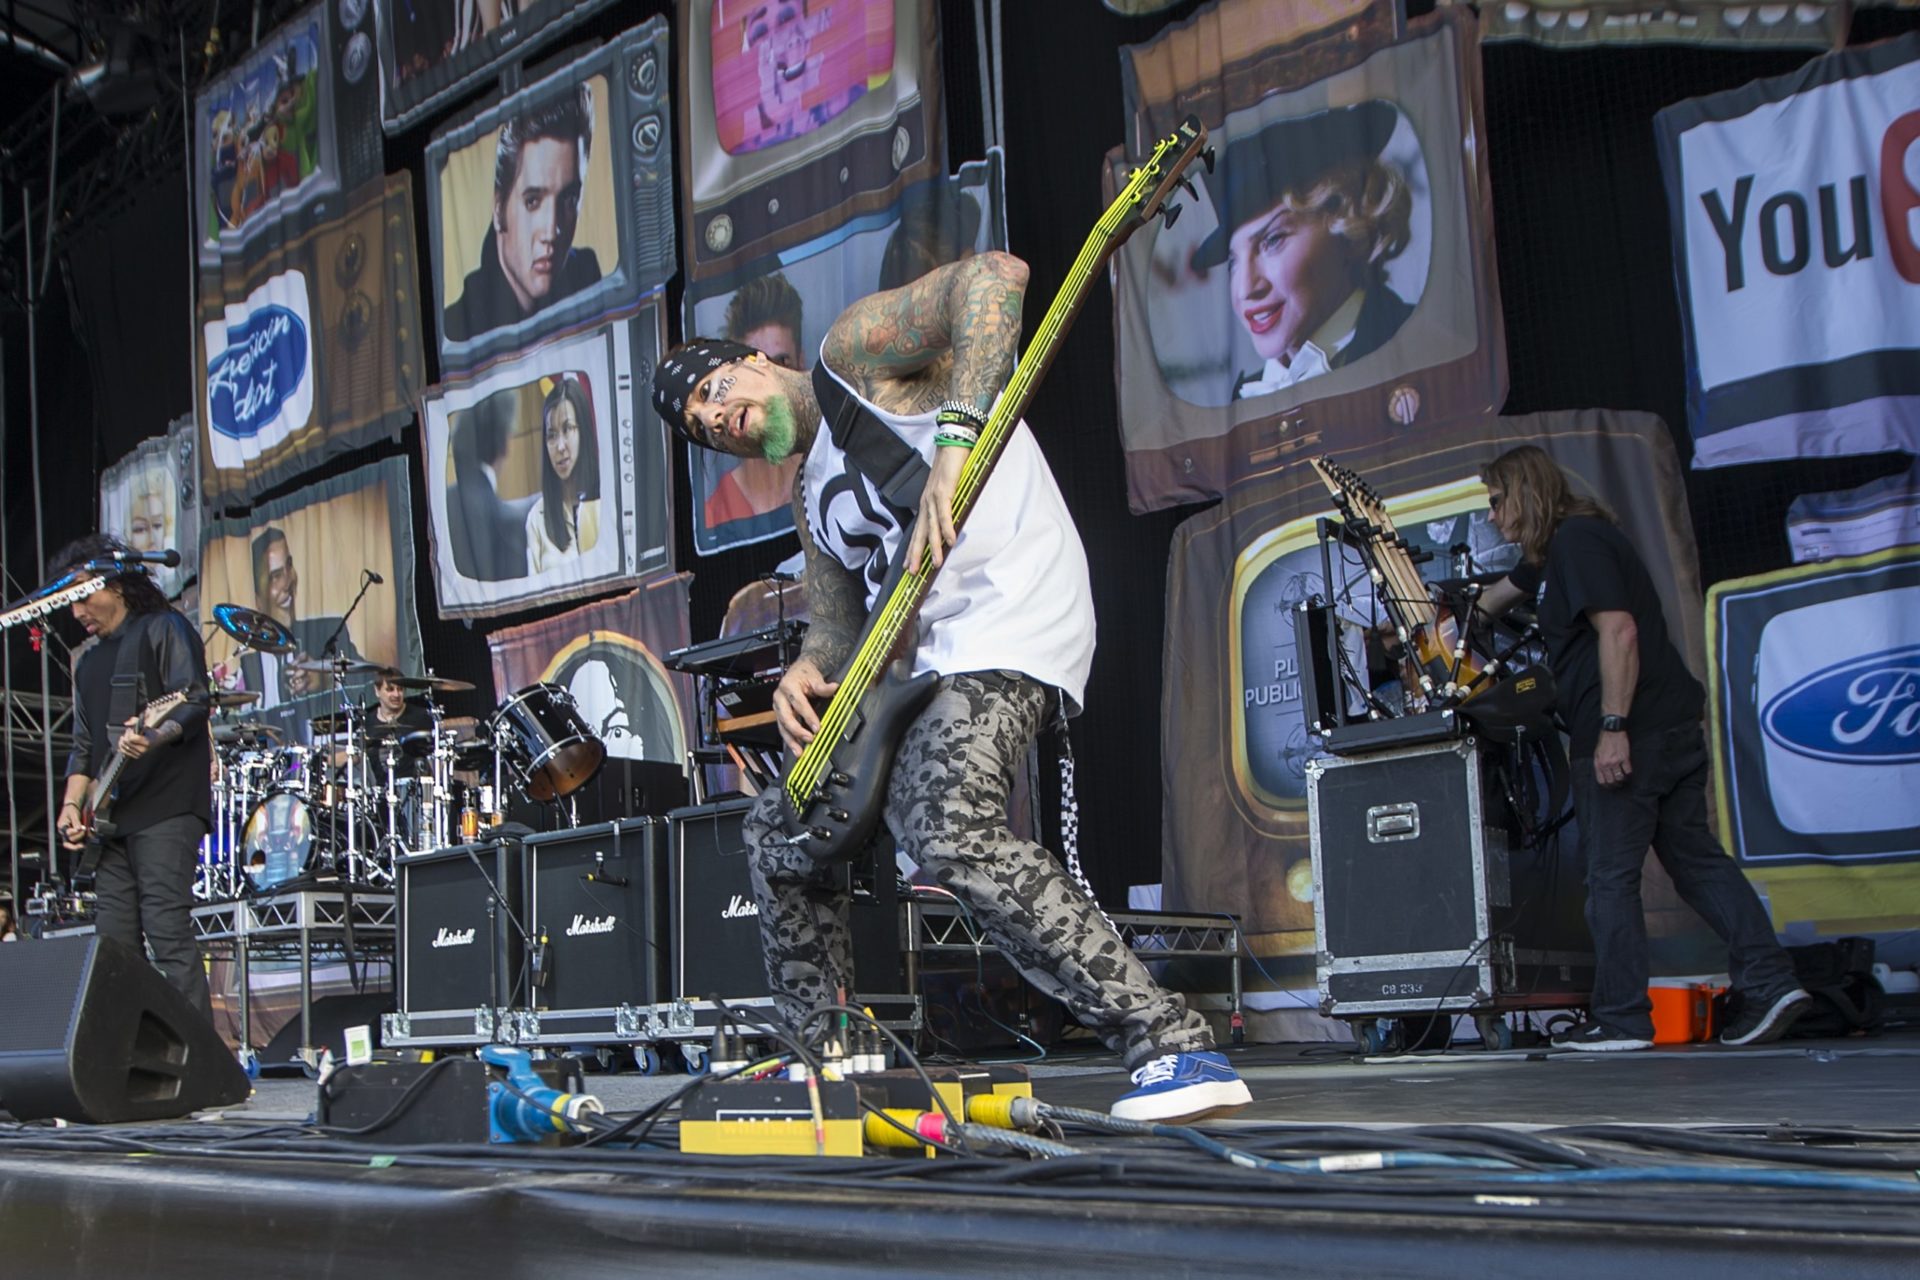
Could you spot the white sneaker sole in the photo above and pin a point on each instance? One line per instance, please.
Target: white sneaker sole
(1779, 1020)
(1180, 1106)
(1606, 1046)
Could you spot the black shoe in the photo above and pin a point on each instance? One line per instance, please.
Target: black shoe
(1595, 1037)
(1763, 1019)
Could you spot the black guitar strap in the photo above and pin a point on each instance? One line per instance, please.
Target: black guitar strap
(894, 467)
(128, 691)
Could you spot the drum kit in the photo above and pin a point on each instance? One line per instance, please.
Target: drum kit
(366, 791)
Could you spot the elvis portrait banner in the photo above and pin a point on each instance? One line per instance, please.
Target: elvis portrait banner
(1794, 205)
(542, 483)
(552, 210)
(1333, 288)
(302, 560)
(607, 655)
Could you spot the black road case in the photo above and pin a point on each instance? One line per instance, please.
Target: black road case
(1422, 903)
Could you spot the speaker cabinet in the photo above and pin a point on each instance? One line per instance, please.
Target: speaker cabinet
(599, 903)
(716, 922)
(93, 1033)
(459, 946)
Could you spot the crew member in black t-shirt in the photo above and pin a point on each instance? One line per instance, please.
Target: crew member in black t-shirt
(1639, 758)
(161, 808)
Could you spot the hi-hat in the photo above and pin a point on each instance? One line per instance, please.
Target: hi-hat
(340, 666)
(253, 629)
(227, 699)
(246, 730)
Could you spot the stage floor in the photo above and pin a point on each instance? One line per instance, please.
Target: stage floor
(1787, 1160)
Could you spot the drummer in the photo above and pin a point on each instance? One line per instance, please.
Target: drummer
(392, 712)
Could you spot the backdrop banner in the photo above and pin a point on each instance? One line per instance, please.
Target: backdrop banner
(1815, 699)
(552, 211)
(434, 51)
(1723, 23)
(1880, 514)
(1792, 203)
(150, 500)
(310, 350)
(607, 655)
(1334, 287)
(303, 560)
(784, 306)
(542, 483)
(796, 117)
(1234, 742)
(284, 139)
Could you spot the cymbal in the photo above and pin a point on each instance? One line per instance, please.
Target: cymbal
(345, 667)
(246, 729)
(440, 684)
(324, 724)
(226, 699)
(253, 629)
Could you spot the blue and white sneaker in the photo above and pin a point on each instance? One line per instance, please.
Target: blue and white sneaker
(1179, 1087)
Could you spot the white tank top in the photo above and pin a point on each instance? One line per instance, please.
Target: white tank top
(1013, 594)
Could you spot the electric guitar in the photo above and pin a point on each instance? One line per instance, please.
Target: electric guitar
(835, 791)
(94, 825)
(1446, 670)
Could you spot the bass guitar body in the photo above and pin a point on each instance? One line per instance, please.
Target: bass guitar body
(845, 810)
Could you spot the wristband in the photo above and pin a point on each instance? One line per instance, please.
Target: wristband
(960, 414)
(70, 805)
(953, 441)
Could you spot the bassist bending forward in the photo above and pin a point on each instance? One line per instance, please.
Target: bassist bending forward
(1008, 621)
(162, 805)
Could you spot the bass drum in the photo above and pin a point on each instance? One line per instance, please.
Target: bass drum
(285, 838)
(547, 743)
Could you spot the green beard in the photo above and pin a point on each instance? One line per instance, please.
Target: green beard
(776, 442)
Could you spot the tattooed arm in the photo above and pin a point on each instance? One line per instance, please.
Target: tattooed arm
(837, 603)
(953, 334)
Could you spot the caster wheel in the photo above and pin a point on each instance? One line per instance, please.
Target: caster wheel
(695, 1056)
(646, 1060)
(1495, 1031)
(1370, 1037)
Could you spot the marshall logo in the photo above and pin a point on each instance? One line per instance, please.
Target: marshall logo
(738, 908)
(453, 937)
(589, 924)
(260, 370)
(1863, 711)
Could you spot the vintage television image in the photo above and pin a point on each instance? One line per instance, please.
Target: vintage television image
(785, 306)
(1331, 288)
(302, 560)
(433, 51)
(289, 131)
(542, 484)
(796, 114)
(552, 210)
(150, 500)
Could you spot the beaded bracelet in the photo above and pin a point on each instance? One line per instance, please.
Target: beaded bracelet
(958, 413)
(957, 442)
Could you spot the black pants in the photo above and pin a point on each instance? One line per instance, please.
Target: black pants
(144, 885)
(1664, 804)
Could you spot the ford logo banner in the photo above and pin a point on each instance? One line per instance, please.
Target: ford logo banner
(265, 360)
(1862, 711)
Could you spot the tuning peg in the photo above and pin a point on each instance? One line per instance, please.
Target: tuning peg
(1187, 183)
(1206, 157)
(1170, 213)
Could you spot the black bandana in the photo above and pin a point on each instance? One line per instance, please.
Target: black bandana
(680, 372)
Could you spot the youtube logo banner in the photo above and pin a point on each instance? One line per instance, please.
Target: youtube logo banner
(1795, 211)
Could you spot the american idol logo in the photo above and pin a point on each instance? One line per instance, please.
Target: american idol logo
(1862, 711)
(261, 369)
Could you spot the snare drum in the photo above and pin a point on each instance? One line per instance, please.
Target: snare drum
(548, 744)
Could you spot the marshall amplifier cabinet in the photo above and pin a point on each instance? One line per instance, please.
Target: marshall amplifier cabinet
(461, 957)
(1423, 904)
(716, 923)
(597, 908)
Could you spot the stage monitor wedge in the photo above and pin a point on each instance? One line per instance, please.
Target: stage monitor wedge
(93, 1033)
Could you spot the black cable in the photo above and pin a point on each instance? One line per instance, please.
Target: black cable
(412, 1094)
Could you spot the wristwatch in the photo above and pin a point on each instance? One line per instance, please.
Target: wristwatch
(1613, 724)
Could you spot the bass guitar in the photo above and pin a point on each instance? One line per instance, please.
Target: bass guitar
(1443, 665)
(94, 823)
(835, 791)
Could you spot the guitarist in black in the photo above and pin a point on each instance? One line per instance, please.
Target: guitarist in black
(162, 806)
(1007, 627)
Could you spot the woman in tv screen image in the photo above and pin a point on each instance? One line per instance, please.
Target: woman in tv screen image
(1310, 220)
(564, 521)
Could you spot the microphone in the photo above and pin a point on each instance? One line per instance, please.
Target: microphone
(170, 558)
(373, 577)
